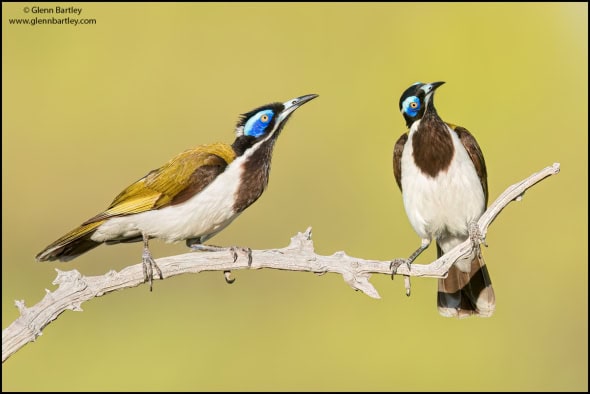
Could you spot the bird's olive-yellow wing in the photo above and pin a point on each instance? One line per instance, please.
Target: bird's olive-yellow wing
(183, 176)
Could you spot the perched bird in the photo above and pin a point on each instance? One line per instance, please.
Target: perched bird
(192, 197)
(441, 172)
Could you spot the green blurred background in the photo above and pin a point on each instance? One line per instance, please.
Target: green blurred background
(87, 110)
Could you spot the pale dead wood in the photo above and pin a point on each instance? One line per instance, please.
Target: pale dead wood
(74, 288)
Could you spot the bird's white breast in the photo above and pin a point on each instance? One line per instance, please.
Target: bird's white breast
(204, 214)
(442, 207)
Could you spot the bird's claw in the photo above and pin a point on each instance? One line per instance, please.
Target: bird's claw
(234, 252)
(396, 263)
(149, 265)
(476, 235)
(247, 251)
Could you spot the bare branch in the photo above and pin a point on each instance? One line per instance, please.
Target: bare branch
(74, 288)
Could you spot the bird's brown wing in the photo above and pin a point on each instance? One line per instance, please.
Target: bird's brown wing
(397, 158)
(476, 155)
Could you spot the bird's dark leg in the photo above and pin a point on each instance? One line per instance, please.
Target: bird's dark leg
(148, 263)
(397, 262)
(195, 244)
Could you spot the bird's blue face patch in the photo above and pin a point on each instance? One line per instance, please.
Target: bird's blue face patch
(257, 124)
(411, 106)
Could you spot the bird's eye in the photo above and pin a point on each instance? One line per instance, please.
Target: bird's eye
(258, 123)
(411, 106)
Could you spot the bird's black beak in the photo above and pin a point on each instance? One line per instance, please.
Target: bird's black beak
(293, 104)
(431, 87)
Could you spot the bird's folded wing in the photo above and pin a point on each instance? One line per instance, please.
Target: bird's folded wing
(183, 176)
(398, 150)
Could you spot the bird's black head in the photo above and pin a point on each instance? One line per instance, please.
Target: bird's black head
(268, 120)
(265, 122)
(416, 100)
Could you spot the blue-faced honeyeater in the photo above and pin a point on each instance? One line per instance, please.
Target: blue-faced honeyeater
(192, 197)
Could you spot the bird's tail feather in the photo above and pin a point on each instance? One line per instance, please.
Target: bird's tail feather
(463, 294)
(71, 245)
